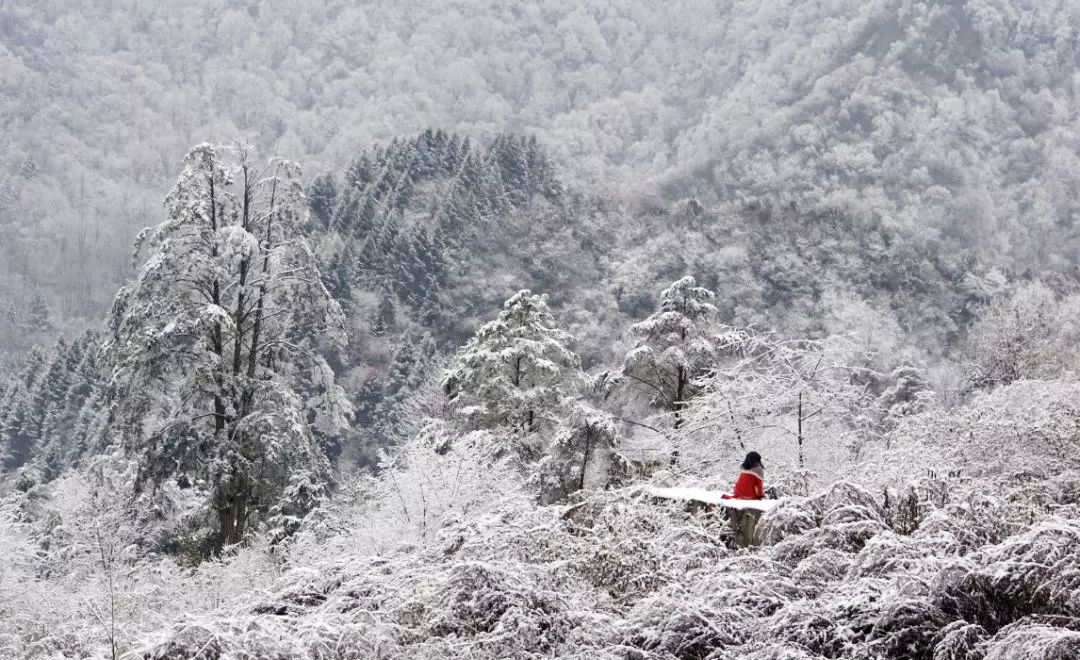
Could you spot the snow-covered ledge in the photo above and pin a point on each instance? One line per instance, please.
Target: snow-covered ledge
(711, 497)
(742, 514)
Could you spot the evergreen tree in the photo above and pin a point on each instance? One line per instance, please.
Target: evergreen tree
(909, 394)
(215, 344)
(63, 439)
(37, 315)
(8, 403)
(48, 395)
(515, 373)
(508, 155)
(16, 426)
(673, 349)
(410, 365)
(322, 197)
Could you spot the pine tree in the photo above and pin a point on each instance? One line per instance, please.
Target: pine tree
(508, 155)
(215, 344)
(322, 196)
(63, 438)
(8, 403)
(515, 373)
(673, 349)
(410, 365)
(37, 315)
(16, 440)
(48, 395)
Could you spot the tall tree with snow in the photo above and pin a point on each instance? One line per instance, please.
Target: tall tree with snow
(673, 349)
(217, 378)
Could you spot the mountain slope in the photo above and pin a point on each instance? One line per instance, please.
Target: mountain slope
(953, 120)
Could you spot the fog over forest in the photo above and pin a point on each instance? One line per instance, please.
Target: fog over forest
(438, 330)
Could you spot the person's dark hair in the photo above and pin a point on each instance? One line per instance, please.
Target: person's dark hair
(752, 460)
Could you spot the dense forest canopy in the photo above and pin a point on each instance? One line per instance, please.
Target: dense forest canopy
(335, 331)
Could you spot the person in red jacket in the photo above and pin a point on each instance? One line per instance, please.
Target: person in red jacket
(751, 482)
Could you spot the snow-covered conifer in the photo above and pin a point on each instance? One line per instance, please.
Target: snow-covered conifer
(515, 372)
(673, 349)
(37, 316)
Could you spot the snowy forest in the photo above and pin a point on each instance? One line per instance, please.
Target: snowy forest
(373, 331)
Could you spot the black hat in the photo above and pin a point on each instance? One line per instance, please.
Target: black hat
(752, 460)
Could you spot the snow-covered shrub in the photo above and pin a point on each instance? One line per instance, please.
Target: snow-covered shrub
(1034, 641)
(849, 537)
(432, 481)
(677, 624)
(890, 554)
(959, 640)
(789, 518)
(841, 517)
(850, 513)
(844, 494)
(822, 568)
(907, 629)
(970, 524)
(1035, 572)
(808, 625)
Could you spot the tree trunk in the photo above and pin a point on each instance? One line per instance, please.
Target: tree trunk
(682, 380)
(256, 328)
(232, 509)
(800, 436)
(217, 343)
(585, 460)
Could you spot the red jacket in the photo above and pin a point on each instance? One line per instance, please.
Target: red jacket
(749, 486)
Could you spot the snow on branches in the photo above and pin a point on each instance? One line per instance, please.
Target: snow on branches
(215, 346)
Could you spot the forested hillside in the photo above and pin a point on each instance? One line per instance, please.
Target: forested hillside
(946, 121)
(331, 331)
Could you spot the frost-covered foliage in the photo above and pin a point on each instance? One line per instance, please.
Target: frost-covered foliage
(1029, 425)
(1027, 334)
(79, 578)
(788, 399)
(673, 349)
(445, 554)
(867, 210)
(621, 576)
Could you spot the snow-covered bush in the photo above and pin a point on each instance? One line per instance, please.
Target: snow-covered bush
(1034, 640)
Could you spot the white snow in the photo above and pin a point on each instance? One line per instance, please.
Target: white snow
(711, 497)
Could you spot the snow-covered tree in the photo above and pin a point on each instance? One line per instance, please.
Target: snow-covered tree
(217, 378)
(1019, 335)
(770, 390)
(581, 453)
(17, 436)
(908, 394)
(37, 315)
(322, 196)
(515, 373)
(673, 349)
